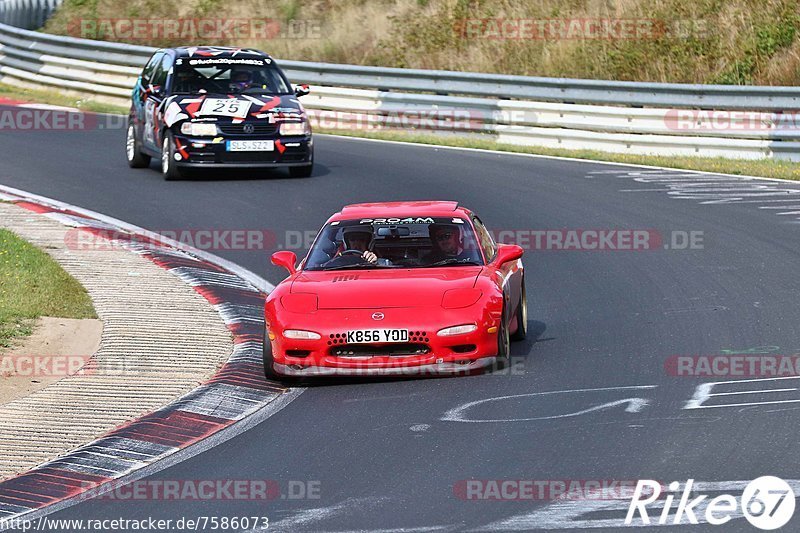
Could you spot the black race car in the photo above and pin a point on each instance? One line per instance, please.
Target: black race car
(215, 107)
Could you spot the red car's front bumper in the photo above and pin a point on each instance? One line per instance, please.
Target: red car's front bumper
(424, 353)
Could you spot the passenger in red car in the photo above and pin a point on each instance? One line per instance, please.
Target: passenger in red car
(448, 243)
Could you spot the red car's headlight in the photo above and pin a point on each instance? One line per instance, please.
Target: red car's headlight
(301, 334)
(458, 298)
(300, 302)
(457, 330)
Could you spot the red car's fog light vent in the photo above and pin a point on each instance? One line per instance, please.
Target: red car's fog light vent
(403, 349)
(464, 348)
(418, 336)
(298, 353)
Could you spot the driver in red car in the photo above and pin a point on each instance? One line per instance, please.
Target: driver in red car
(357, 238)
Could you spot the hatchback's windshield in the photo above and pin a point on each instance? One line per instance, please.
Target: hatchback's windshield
(228, 76)
(413, 242)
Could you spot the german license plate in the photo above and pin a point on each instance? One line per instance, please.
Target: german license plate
(364, 336)
(250, 146)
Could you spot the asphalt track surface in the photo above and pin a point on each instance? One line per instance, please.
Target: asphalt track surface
(381, 452)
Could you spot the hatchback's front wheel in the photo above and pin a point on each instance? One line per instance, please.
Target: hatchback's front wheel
(169, 168)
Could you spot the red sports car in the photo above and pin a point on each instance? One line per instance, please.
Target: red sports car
(396, 288)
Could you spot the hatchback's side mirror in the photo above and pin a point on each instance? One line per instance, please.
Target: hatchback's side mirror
(506, 253)
(301, 90)
(285, 259)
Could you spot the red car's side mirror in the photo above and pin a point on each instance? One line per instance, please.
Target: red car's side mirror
(506, 253)
(285, 259)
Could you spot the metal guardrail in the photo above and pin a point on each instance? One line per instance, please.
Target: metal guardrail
(582, 114)
(29, 14)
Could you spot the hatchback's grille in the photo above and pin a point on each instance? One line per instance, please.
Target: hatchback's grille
(244, 128)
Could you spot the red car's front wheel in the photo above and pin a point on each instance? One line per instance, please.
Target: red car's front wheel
(269, 363)
(503, 340)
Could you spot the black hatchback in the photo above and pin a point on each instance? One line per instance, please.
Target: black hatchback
(216, 107)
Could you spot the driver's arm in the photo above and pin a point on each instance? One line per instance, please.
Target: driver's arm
(369, 257)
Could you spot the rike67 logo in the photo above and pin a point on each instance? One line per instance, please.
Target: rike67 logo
(767, 503)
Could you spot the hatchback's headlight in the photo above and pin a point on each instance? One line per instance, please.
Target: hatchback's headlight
(457, 330)
(295, 128)
(301, 334)
(199, 129)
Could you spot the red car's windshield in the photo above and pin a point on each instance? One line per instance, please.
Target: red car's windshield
(414, 242)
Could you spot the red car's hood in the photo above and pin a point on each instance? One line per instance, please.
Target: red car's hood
(365, 289)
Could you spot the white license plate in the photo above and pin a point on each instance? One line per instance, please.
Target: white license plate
(364, 336)
(225, 107)
(250, 146)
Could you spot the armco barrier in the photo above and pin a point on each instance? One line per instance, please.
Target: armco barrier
(625, 117)
(30, 14)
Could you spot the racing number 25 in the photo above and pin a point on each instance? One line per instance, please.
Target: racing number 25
(229, 106)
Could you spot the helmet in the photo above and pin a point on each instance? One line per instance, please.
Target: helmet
(241, 80)
(351, 231)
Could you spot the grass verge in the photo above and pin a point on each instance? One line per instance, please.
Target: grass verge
(33, 285)
(55, 98)
(768, 168)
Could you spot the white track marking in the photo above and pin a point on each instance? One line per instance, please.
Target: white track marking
(48, 107)
(634, 405)
(703, 393)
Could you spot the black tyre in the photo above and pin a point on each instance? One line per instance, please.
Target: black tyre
(136, 159)
(269, 369)
(503, 341)
(522, 316)
(169, 169)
